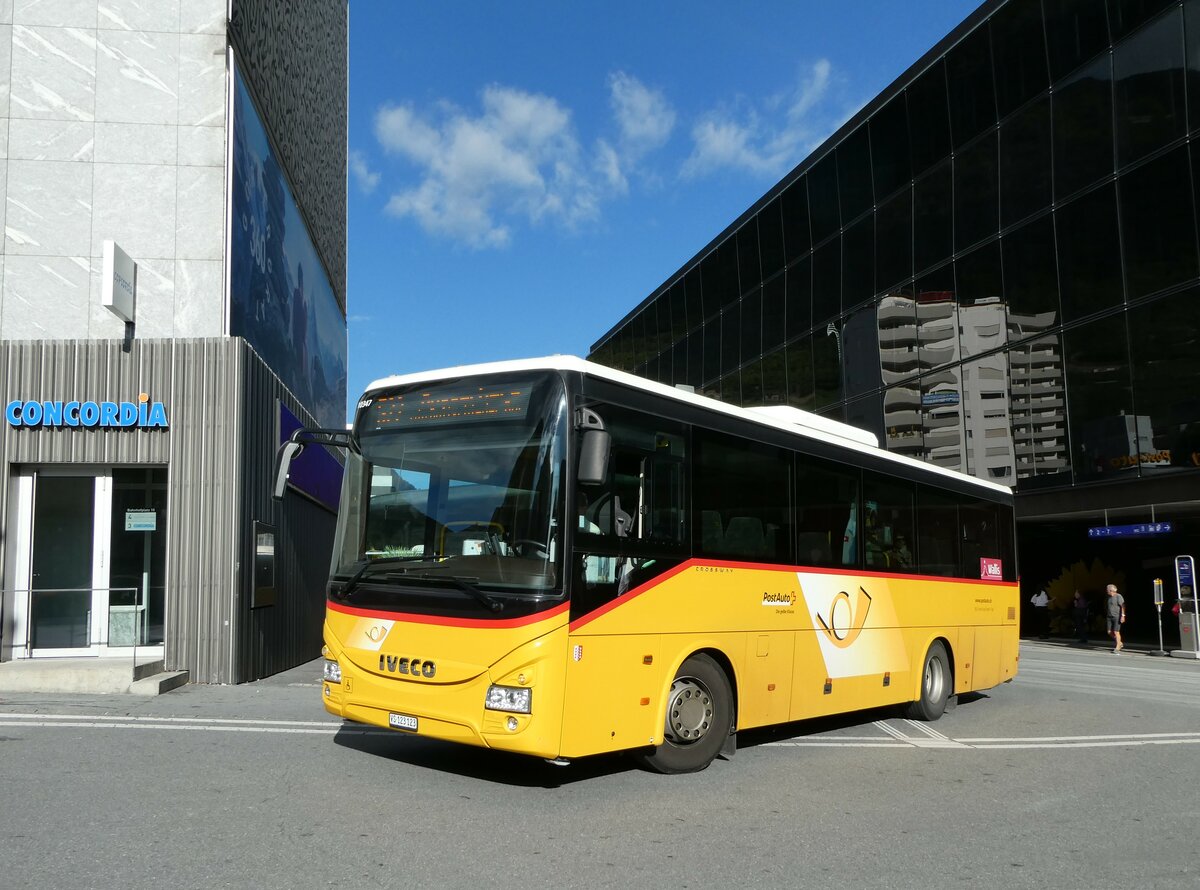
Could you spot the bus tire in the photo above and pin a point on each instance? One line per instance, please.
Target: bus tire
(699, 718)
(936, 680)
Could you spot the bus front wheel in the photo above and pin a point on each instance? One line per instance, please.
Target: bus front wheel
(699, 718)
(936, 680)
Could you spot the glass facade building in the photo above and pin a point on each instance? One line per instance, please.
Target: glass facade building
(994, 267)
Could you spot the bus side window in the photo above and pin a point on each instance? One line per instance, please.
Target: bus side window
(643, 497)
(888, 524)
(742, 498)
(827, 513)
(937, 532)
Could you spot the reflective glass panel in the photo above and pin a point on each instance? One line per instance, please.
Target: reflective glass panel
(932, 218)
(972, 94)
(893, 240)
(798, 286)
(890, 164)
(902, 419)
(859, 340)
(774, 312)
(937, 318)
(774, 373)
(867, 414)
(1099, 399)
(1125, 15)
(1025, 162)
(695, 305)
(752, 317)
(794, 205)
(858, 262)
(749, 266)
(827, 366)
(827, 275)
(990, 452)
(897, 322)
(854, 174)
(1165, 342)
(1038, 406)
(1083, 144)
(929, 118)
(731, 336)
(1030, 274)
(770, 238)
(1089, 253)
(981, 317)
(976, 193)
(1019, 53)
(801, 391)
(823, 198)
(712, 349)
(1075, 30)
(1148, 78)
(1158, 229)
(941, 430)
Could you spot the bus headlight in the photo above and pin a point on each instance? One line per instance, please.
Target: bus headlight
(333, 672)
(508, 698)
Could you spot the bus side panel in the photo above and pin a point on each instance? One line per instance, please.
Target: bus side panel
(764, 694)
(612, 694)
(986, 663)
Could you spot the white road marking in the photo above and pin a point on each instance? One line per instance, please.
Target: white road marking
(292, 727)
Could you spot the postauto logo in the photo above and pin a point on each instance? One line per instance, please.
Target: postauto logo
(144, 414)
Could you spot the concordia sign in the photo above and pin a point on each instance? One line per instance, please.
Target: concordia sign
(142, 414)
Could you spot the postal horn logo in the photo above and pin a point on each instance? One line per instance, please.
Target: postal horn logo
(377, 633)
(846, 620)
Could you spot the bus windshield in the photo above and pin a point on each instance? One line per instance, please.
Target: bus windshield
(455, 492)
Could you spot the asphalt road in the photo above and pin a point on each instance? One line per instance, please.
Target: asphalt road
(1084, 772)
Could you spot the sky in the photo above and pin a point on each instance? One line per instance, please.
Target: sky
(523, 174)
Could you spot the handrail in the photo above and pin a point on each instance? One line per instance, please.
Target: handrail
(138, 606)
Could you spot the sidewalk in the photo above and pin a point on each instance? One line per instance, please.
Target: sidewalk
(1106, 645)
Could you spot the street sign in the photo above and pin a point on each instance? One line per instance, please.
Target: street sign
(1141, 530)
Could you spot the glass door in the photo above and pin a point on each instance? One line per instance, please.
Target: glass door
(90, 564)
(65, 596)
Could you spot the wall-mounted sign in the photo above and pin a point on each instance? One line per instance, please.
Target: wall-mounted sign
(1142, 530)
(118, 292)
(142, 414)
(141, 519)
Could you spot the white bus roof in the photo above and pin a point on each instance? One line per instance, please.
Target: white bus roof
(782, 417)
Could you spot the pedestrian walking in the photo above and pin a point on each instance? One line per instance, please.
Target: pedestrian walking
(1041, 614)
(1116, 616)
(1079, 616)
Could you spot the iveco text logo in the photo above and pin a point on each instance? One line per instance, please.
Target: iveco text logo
(414, 667)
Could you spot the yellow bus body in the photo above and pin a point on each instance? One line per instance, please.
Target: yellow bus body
(797, 643)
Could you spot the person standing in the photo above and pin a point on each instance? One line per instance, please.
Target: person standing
(1116, 616)
(1079, 614)
(1041, 614)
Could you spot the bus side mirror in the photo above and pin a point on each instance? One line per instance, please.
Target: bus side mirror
(593, 457)
(283, 465)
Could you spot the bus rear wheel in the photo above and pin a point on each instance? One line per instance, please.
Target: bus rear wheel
(699, 718)
(935, 685)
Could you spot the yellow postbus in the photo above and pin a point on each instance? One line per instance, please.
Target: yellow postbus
(554, 558)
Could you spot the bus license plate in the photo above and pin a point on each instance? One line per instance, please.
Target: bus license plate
(402, 721)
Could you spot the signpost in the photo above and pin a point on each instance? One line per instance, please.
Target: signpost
(1158, 604)
(1185, 578)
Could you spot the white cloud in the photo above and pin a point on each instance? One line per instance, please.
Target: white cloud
(517, 159)
(644, 116)
(366, 178)
(745, 138)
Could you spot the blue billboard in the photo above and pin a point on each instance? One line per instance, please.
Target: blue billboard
(280, 299)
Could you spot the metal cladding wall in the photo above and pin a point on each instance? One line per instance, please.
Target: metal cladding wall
(280, 636)
(219, 448)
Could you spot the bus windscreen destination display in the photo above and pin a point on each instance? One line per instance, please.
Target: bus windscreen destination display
(449, 405)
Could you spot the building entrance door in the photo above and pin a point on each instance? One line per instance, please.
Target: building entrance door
(90, 561)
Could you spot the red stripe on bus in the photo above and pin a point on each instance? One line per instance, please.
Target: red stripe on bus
(445, 621)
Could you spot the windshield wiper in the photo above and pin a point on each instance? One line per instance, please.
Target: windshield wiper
(353, 581)
(466, 586)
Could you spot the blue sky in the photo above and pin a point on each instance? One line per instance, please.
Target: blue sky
(523, 174)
